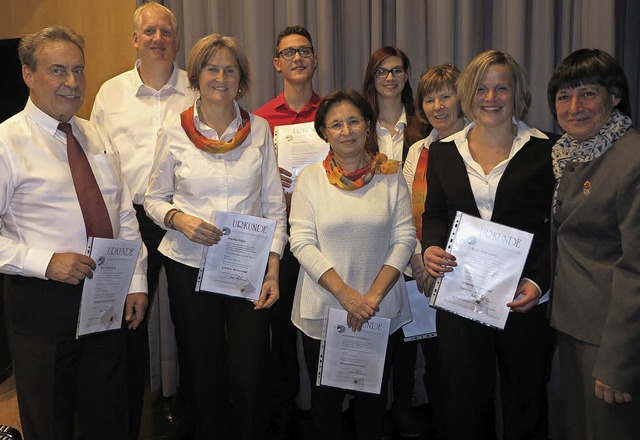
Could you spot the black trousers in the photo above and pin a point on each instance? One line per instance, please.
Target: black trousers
(468, 354)
(326, 402)
(284, 338)
(223, 348)
(57, 376)
(431, 379)
(138, 340)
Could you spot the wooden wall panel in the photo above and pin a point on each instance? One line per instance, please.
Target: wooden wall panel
(105, 25)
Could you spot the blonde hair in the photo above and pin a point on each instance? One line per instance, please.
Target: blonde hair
(471, 76)
(153, 6)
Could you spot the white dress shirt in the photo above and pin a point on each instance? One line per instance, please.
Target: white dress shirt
(389, 145)
(355, 233)
(483, 185)
(39, 210)
(244, 180)
(133, 113)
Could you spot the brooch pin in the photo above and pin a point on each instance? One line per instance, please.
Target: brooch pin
(586, 188)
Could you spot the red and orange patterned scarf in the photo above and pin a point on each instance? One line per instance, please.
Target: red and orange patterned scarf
(419, 191)
(210, 145)
(359, 178)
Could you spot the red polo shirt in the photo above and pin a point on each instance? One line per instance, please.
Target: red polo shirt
(277, 111)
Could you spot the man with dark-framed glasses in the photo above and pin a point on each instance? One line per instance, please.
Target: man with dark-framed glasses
(296, 59)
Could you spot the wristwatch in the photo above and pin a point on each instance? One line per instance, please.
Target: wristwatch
(170, 219)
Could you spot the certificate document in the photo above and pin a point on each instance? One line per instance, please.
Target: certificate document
(353, 360)
(236, 265)
(490, 260)
(424, 317)
(298, 145)
(104, 295)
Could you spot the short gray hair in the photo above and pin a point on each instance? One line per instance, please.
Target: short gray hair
(30, 43)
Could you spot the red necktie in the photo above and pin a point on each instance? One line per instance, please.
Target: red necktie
(94, 210)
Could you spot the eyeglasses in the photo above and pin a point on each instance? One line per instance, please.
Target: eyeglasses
(352, 123)
(290, 52)
(381, 72)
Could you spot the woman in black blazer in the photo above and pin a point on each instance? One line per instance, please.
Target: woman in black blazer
(499, 169)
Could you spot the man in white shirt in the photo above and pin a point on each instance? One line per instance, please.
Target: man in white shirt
(45, 219)
(132, 107)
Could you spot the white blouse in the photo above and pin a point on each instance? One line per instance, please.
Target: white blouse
(244, 180)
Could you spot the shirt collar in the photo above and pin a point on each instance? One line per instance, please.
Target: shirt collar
(400, 125)
(522, 137)
(175, 83)
(233, 127)
(43, 120)
(279, 103)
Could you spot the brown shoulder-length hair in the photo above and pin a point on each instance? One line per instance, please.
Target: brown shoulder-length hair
(471, 76)
(208, 46)
(358, 101)
(415, 130)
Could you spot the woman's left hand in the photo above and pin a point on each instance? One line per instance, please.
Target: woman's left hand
(269, 294)
(354, 323)
(529, 295)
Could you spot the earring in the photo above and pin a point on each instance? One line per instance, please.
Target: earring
(367, 133)
(239, 90)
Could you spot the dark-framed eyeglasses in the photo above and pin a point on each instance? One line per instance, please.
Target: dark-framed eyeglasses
(381, 72)
(290, 52)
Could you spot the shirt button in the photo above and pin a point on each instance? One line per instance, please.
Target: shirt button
(218, 156)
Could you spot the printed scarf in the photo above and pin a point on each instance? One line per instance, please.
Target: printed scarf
(359, 178)
(568, 149)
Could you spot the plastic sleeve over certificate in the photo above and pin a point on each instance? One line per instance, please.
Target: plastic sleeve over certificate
(490, 259)
(236, 265)
(298, 146)
(424, 317)
(104, 295)
(353, 360)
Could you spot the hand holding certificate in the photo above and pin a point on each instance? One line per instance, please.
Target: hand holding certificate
(353, 360)
(104, 295)
(490, 258)
(235, 266)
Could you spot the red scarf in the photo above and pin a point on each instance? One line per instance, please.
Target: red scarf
(419, 191)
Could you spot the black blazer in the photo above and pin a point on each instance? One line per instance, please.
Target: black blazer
(523, 199)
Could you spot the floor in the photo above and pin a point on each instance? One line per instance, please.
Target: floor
(9, 404)
(157, 426)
